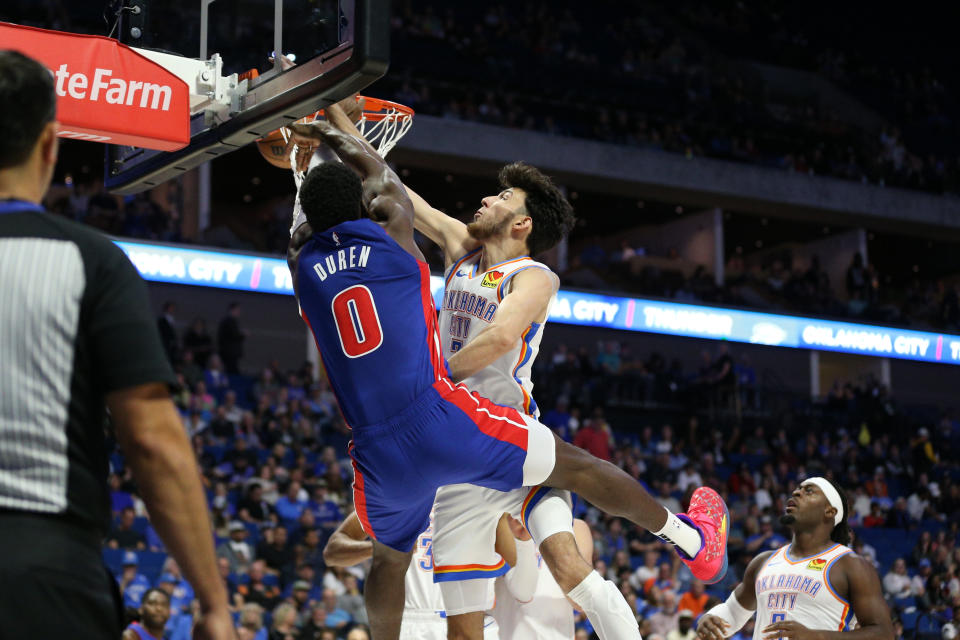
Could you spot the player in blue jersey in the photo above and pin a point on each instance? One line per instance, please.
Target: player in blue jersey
(363, 288)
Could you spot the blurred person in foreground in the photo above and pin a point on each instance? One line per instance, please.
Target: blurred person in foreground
(78, 338)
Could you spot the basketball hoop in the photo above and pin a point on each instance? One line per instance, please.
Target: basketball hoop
(382, 124)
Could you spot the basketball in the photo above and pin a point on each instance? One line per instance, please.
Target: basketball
(274, 149)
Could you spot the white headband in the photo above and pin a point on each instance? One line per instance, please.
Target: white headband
(832, 496)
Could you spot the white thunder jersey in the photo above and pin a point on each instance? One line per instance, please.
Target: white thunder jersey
(470, 302)
(548, 616)
(800, 590)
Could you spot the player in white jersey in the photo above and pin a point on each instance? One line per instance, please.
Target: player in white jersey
(811, 588)
(423, 614)
(548, 613)
(495, 303)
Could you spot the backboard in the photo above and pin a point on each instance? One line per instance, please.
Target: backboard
(340, 47)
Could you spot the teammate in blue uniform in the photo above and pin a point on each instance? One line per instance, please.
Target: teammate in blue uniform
(363, 288)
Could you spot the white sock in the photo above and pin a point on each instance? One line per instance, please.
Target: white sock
(680, 534)
(604, 605)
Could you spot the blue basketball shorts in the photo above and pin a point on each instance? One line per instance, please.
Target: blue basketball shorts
(447, 436)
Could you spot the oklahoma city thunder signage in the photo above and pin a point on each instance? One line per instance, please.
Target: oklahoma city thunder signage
(245, 272)
(106, 92)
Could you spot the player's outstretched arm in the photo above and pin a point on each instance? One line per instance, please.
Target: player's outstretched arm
(449, 233)
(530, 293)
(348, 544)
(866, 598)
(384, 197)
(727, 618)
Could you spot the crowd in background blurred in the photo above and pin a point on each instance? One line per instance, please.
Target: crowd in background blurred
(273, 450)
(652, 79)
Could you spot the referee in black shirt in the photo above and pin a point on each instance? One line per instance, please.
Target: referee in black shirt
(77, 338)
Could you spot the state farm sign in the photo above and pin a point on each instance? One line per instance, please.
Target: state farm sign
(106, 91)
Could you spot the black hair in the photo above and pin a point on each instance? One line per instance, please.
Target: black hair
(27, 101)
(546, 205)
(330, 194)
(841, 532)
(146, 594)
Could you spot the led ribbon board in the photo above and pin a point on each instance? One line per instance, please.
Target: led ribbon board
(247, 272)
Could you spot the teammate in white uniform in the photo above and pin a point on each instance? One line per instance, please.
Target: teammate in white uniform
(423, 614)
(809, 589)
(548, 613)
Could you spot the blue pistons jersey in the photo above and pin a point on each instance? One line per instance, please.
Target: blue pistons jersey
(368, 303)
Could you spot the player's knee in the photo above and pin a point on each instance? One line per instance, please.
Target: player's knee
(387, 559)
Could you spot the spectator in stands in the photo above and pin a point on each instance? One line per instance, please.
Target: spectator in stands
(877, 487)
(220, 427)
(688, 477)
(291, 504)
(305, 574)
(924, 456)
(277, 551)
(214, 376)
(647, 571)
(918, 585)
(595, 436)
(310, 549)
(237, 550)
(923, 549)
(316, 625)
(766, 540)
(684, 630)
(168, 331)
(230, 339)
(232, 412)
(124, 536)
(899, 517)
(284, 625)
(896, 584)
(352, 600)
(256, 590)
(172, 581)
(336, 618)
(918, 504)
(666, 619)
(558, 419)
(251, 622)
(198, 342)
(300, 598)
(877, 517)
(120, 499)
(253, 508)
(326, 512)
(154, 614)
(664, 581)
(694, 600)
(132, 583)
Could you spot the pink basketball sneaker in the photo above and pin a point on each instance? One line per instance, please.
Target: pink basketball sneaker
(708, 513)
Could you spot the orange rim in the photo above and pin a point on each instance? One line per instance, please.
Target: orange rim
(374, 110)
